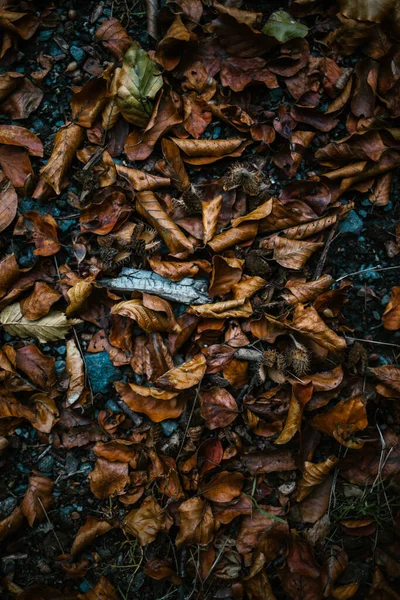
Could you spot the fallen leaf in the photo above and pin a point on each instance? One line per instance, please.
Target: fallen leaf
(309, 323)
(88, 533)
(75, 368)
(204, 152)
(158, 405)
(13, 135)
(17, 166)
(138, 82)
(149, 320)
(210, 213)
(391, 316)
(283, 27)
(103, 590)
(77, 296)
(342, 421)
(114, 37)
(293, 254)
(218, 407)
(8, 202)
(196, 523)
(313, 474)
(50, 328)
(301, 394)
(39, 301)
(67, 141)
(23, 101)
(9, 273)
(224, 487)
(189, 374)
(38, 498)
(147, 521)
(108, 478)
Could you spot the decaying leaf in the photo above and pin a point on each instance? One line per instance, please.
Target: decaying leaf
(67, 141)
(343, 421)
(52, 327)
(157, 404)
(38, 498)
(147, 521)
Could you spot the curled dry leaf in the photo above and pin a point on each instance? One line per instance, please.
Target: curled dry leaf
(204, 152)
(146, 521)
(76, 371)
(137, 84)
(39, 301)
(67, 141)
(234, 236)
(158, 405)
(210, 213)
(77, 296)
(108, 478)
(306, 291)
(140, 180)
(50, 328)
(38, 497)
(186, 376)
(343, 421)
(309, 323)
(44, 232)
(109, 210)
(12, 135)
(389, 375)
(218, 407)
(224, 487)
(8, 202)
(391, 316)
(9, 273)
(87, 533)
(301, 394)
(293, 254)
(148, 206)
(148, 319)
(176, 271)
(174, 167)
(114, 37)
(196, 523)
(313, 474)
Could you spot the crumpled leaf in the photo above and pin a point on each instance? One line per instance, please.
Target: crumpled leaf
(224, 487)
(309, 323)
(87, 533)
(301, 394)
(38, 497)
(293, 254)
(197, 523)
(283, 27)
(13, 135)
(190, 373)
(39, 301)
(108, 478)
(137, 84)
(67, 141)
(50, 328)
(8, 202)
(313, 474)
(218, 407)
(205, 152)
(76, 371)
(146, 521)
(114, 37)
(148, 319)
(342, 421)
(158, 405)
(391, 316)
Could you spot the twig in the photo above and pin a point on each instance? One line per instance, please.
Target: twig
(321, 262)
(152, 9)
(189, 420)
(51, 524)
(353, 339)
(129, 412)
(365, 271)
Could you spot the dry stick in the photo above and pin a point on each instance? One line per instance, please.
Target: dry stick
(52, 526)
(365, 271)
(353, 339)
(324, 254)
(152, 9)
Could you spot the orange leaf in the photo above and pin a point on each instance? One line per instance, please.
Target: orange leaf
(234, 236)
(210, 213)
(148, 319)
(186, 376)
(218, 407)
(301, 394)
(147, 521)
(39, 302)
(308, 322)
(205, 152)
(391, 316)
(342, 421)
(313, 474)
(224, 487)
(307, 291)
(158, 405)
(12, 135)
(293, 254)
(67, 141)
(108, 478)
(37, 497)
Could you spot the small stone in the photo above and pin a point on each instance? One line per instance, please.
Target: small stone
(46, 465)
(77, 54)
(45, 35)
(77, 78)
(7, 506)
(101, 371)
(385, 299)
(169, 427)
(352, 223)
(71, 14)
(72, 66)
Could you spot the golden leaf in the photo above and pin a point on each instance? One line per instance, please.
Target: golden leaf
(313, 474)
(77, 295)
(50, 328)
(185, 376)
(343, 420)
(148, 319)
(210, 213)
(293, 254)
(67, 141)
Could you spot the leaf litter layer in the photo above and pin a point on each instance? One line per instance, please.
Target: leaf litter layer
(199, 300)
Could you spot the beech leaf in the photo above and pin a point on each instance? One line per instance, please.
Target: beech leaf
(283, 27)
(50, 328)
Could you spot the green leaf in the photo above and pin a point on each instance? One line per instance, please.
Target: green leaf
(50, 328)
(137, 84)
(283, 27)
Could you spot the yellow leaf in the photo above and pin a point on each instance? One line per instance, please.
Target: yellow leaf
(50, 328)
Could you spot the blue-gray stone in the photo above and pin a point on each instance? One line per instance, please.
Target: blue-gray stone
(65, 224)
(45, 35)
(46, 465)
(169, 427)
(385, 299)
(101, 371)
(59, 366)
(77, 54)
(85, 587)
(351, 224)
(113, 406)
(7, 506)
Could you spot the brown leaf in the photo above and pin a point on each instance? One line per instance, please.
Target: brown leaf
(389, 375)
(9, 273)
(87, 104)
(293, 254)
(189, 374)
(148, 206)
(108, 478)
(210, 213)
(225, 274)
(301, 394)
(87, 533)
(44, 233)
(313, 474)
(103, 590)
(39, 301)
(342, 421)
(205, 152)
(141, 180)
(114, 37)
(109, 210)
(76, 371)
(303, 292)
(8, 82)
(11, 524)
(148, 319)
(77, 296)
(8, 202)
(237, 73)
(46, 413)
(196, 523)
(160, 568)
(176, 271)
(391, 316)
(147, 521)
(309, 323)
(381, 193)
(234, 236)
(262, 212)
(23, 101)
(12, 135)
(38, 367)
(262, 532)
(367, 10)
(67, 141)
(158, 405)
(224, 487)
(38, 498)
(17, 166)
(218, 407)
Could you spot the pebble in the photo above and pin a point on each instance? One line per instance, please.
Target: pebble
(46, 465)
(7, 506)
(72, 66)
(169, 427)
(351, 224)
(101, 371)
(71, 14)
(45, 35)
(77, 53)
